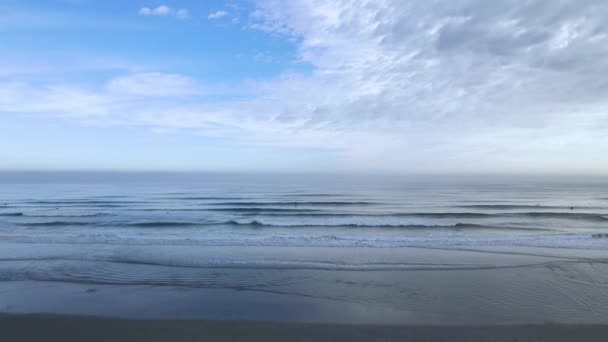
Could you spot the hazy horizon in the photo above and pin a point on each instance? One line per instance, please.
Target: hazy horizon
(302, 177)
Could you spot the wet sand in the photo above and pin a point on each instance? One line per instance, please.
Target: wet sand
(433, 295)
(70, 328)
(414, 287)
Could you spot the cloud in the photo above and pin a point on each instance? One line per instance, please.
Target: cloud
(53, 99)
(458, 85)
(444, 76)
(163, 11)
(182, 13)
(217, 15)
(154, 84)
(120, 99)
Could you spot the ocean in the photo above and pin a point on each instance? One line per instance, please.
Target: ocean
(350, 240)
(212, 210)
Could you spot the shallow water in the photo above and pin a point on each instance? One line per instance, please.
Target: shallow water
(307, 284)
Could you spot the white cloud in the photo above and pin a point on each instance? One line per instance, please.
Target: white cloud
(154, 84)
(164, 10)
(182, 13)
(217, 15)
(442, 77)
(56, 99)
(120, 99)
(458, 85)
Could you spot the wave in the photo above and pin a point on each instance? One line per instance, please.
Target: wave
(570, 216)
(301, 213)
(79, 202)
(151, 224)
(256, 223)
(75, 205)
(159, 224)
(11, 214)
(314, 195)
(81, 270)
(295, 203)
(578, 241)
(110, 196)
(297, 213)
(68, 216)
(518, 206)
(236, 210)
(264, 210)
(206, 198)
(253, 223)
(261, 224)
(443, 215)
(55, 224)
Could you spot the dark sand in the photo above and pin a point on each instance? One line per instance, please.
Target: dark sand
(70, 328)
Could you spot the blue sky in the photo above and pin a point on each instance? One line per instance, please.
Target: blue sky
(55, 33)
(304, 85)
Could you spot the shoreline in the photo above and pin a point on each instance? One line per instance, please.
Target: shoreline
(85, 328)
(463, 288)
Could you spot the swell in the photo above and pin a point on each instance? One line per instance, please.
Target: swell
(520, 206)
(258, 224)
(111, 224)
(159, 224)
(252, 223)
(572, 216)
(295, 203)
(248, 264)
(11, 214)
(65, 216)
(237, 210)
(314, 195)
(298, 213)
(263, 210)
(304, 213)
(82, 215)
(110, 196)
(55, 224)
(93, 202)
(205, 198)
(75, 205)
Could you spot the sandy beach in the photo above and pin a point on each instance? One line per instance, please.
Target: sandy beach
(69, 328)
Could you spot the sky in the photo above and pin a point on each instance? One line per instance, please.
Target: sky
(400, 86)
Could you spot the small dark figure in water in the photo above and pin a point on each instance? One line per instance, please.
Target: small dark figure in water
(571, 208)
